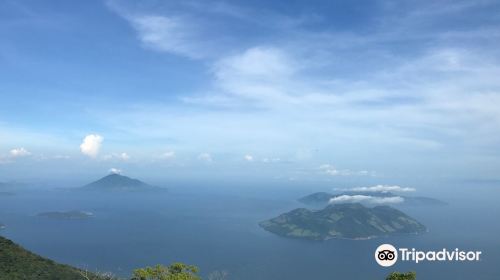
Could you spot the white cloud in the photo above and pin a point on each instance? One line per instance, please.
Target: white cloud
(168, 155)
(206, 157)
(91, 145)
(117, 156)
(366, 199)
(173, 34)
(333, 171)
(259, 73)
(124, 156)
(248, 157)
(115, 171)
(271, 160)
(341, 89)
(383, 188)
(19, 152)
(61, 157)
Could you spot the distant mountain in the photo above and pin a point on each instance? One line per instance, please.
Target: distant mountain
(16, 263)
(117, 182)
(350, 220)
(322, 198)
(68, 215)
(319, 198)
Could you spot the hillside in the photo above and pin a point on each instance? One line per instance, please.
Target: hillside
(352, 221)
(16, 263)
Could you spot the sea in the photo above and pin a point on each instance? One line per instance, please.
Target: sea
(219, 231)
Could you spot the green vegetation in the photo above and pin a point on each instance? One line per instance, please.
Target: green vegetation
(402, 276)
(350, 220)
(17, 263)
(176, 271)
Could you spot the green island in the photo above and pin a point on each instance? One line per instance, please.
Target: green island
(17, 263)
(350, 221)
(67, 215)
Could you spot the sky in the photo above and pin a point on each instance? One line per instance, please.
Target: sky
(303, 91)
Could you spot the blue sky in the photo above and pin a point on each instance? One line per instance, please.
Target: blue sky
(281, 90)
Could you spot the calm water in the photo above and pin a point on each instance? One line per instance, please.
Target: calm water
(220, 232)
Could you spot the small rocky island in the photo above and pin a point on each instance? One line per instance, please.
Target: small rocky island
(349, 221)
(68, 215)
(2, 226)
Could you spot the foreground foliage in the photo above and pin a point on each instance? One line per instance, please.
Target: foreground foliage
(402, 276)
(175, 271)
(16, 263)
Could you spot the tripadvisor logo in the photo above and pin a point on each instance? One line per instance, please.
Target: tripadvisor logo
(387, 255)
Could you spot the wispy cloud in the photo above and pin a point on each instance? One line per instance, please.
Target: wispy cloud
(173, 34)
(383, 188)
(19, 152)
(117, 156)
(205, 157)
(333, 171)
(414, 80)
(167, 155)
(366, 199)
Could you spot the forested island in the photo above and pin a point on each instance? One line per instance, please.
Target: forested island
(349, 220)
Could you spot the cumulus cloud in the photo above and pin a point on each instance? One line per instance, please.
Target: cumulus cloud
(206, 157)
(91, 145)
(115, 171)
(366, 199)
(19, 152)
(248, 157)
(383, 188)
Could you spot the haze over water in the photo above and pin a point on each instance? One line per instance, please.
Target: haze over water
(219, 231)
